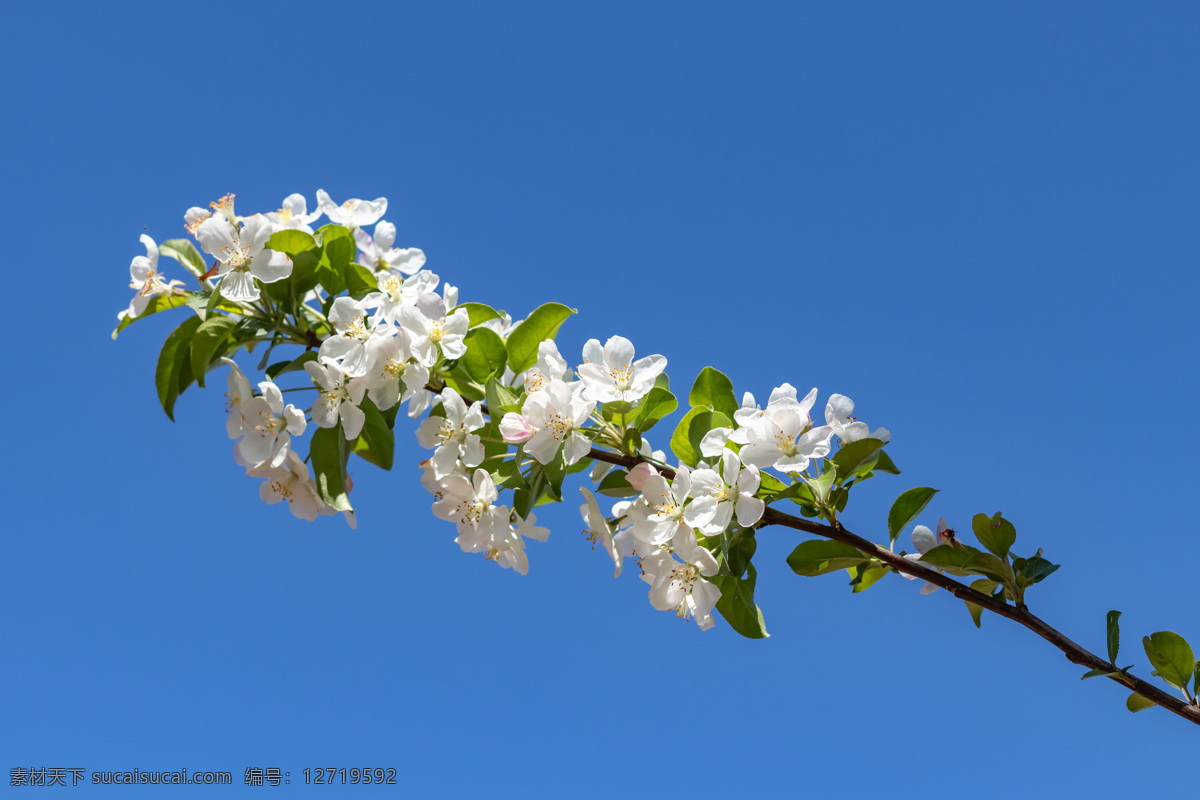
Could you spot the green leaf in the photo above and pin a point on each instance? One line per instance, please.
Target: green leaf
(328, 453)
(821, 484)
(207, 340)
(976, 612)
(954, 560)
(1136, 703)
(685, 442)
(713, 390)
(737, 604)
(885, 464)
(295, 365)
(819, 556)
(376, 443)
(500, 399)
(478, 313)
(541, 325)
(305, 253)
(158, 303)
(508, 475)
(1171, 657)
(1034, 569)
(906, 509)
(850, 457)
(1114, 636)
(866, 575)
(995, 533)
(338, 249)
(171, 360)
(615, 485)
(183, 251)
(360, 280)
(485, 354)
(657, 404)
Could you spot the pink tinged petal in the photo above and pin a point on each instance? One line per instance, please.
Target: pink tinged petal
(749, 510)
(352, 420)
(515, 429)
(639, 474)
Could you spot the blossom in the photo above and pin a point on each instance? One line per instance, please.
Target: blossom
(145, 278)
(452, 435)
(337, 399)
(733, 488)
(269, 426)
(599, 529)
(389, 364)
(610, 373)
(293, 214)
(469, 505)
(550, 366)
(348, 345)
(839, 416)
(292, 482)
(243, 255)
(783, 437)
(379, 255)
(671, 512)
(557, 414)
(515, 429)
(681, 587)
(352, 213)
(925, 540)
(435, 331)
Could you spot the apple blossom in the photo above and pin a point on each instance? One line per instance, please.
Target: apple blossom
(452, 435)
(353, 213)
(337, 400)
(599, 529)
(243, 255)
(379, 255)
(610, 374)
(557, 414)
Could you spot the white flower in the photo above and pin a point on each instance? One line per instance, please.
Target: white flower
(839, 413)
(599, 529)
(145, 278)
(550, 366)
(293, 483)
(469, 505)
(672, 514)
(925, 540)
(515, 429)
(268, 426)
(434, 331)
(452, 435)
(389, 363)
(681, 587)
(557, 414)
(243, 255)
(293, 215)
(733, 488)
(337, 399)
(611, 374)
(379, 255)
(348, 345)
(352, 213)
(783, 437)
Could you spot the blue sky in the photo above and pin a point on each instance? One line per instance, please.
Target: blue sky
(979, 223)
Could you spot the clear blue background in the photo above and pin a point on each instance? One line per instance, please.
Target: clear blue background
(978, 222)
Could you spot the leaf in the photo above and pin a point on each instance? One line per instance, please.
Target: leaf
(328, 454)
(338, 249)
(1135, 702)
(737, 604)
(1114, 636)
(207, 340)
(158, 303)
(541, 325)
(295, 365)
(821, 484)
(819, 556)
(183, 251)
(657, 404)
(851, 456)
(616, 485)
(685, 441)
(995, 533)
(508, 475)
(954, 560)
(485, 354)
(500, 399)
(360, 280)
(305, 254)
(377, 442)
(885, 464)
(976, 612)
(1034, 569)
(1171, 657)
(906, 509)
(866, 575)
(170, 362)
(478, 313)
(713, 390)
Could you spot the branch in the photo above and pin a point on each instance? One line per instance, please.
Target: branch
(1021, 615)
